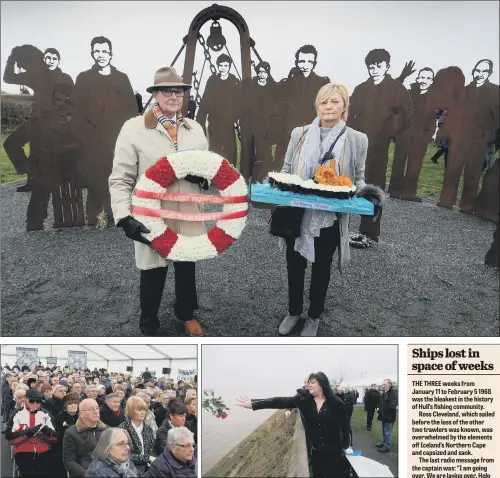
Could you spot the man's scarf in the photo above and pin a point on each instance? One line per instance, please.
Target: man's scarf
(171, 125)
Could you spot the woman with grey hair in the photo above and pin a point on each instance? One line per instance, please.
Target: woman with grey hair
(111, 456)
(178, 459)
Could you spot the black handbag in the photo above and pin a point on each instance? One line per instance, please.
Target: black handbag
(285, 221)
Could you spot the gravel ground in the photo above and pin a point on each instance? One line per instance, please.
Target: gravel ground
(425, 278)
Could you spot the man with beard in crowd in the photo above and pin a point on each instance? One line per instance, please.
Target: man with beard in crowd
(372, 401)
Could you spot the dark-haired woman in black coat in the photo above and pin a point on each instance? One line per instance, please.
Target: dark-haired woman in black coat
(325, 421)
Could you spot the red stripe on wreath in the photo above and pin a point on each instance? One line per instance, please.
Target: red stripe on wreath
(219, 239)
(225, 176)
(164, 243)
(161, 172)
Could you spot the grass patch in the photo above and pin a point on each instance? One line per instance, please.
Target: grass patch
(8, 172)
(358, 423)
(429, 184)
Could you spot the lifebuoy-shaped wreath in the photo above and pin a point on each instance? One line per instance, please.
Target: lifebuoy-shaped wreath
(150, 190)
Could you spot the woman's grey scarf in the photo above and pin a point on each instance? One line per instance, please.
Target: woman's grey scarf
(125, 469)
(313, 151)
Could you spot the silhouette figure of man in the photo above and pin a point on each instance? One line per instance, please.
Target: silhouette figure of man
(295, 96)
(411, 144)
(220, 105)
(105, 101)
(471, 127)
(380, 107)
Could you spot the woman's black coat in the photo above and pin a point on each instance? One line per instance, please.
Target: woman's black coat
(306, 405)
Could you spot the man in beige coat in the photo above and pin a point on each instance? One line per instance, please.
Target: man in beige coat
(141, 142)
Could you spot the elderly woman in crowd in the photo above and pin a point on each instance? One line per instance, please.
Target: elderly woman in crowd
(68, 416)
(322, 232)
(141, 142)
(178, 458)
(111, 456)
(111, 411)
(142, 437)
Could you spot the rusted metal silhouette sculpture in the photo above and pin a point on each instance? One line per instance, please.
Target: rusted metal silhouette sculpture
(381, 108)
(41, 74)
(258, 107)
(55, 161)
(469, 127)
(411, 144)
(220, 105)
(215, 13)
(105, 101)
(295, 97)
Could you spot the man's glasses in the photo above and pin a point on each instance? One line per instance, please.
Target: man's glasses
(188, 445)
(167, 93)
(34, 401)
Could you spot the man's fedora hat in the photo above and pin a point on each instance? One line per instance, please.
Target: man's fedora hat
(167, 77)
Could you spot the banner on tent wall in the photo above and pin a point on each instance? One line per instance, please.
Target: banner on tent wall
(186, 374)
(51, 360)
(25, 356)
(77, 360)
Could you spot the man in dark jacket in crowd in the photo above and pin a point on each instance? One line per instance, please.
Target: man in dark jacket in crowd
(55, 405)
(80, 439)
(146, 375)
(349, 400)
(176, 417)
(372, 401)
(340, 394)
(178, 459)
(111, 412)
(388, 407)
(191, 108)
(7, 394)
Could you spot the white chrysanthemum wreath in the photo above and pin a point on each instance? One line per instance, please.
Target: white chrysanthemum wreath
(150, 190)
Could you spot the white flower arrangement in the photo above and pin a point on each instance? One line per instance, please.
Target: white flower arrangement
(212, 167)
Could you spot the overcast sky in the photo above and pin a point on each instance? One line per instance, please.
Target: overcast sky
(263, 370)
(147, 35)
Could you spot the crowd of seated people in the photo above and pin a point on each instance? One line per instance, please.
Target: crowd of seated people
(61, 422)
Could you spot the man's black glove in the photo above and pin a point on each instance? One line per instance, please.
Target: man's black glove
(48, 431)
(190, 178)
(133, 229)
(29, 432)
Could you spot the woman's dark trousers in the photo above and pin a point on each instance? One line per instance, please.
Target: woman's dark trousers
(324, 247)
